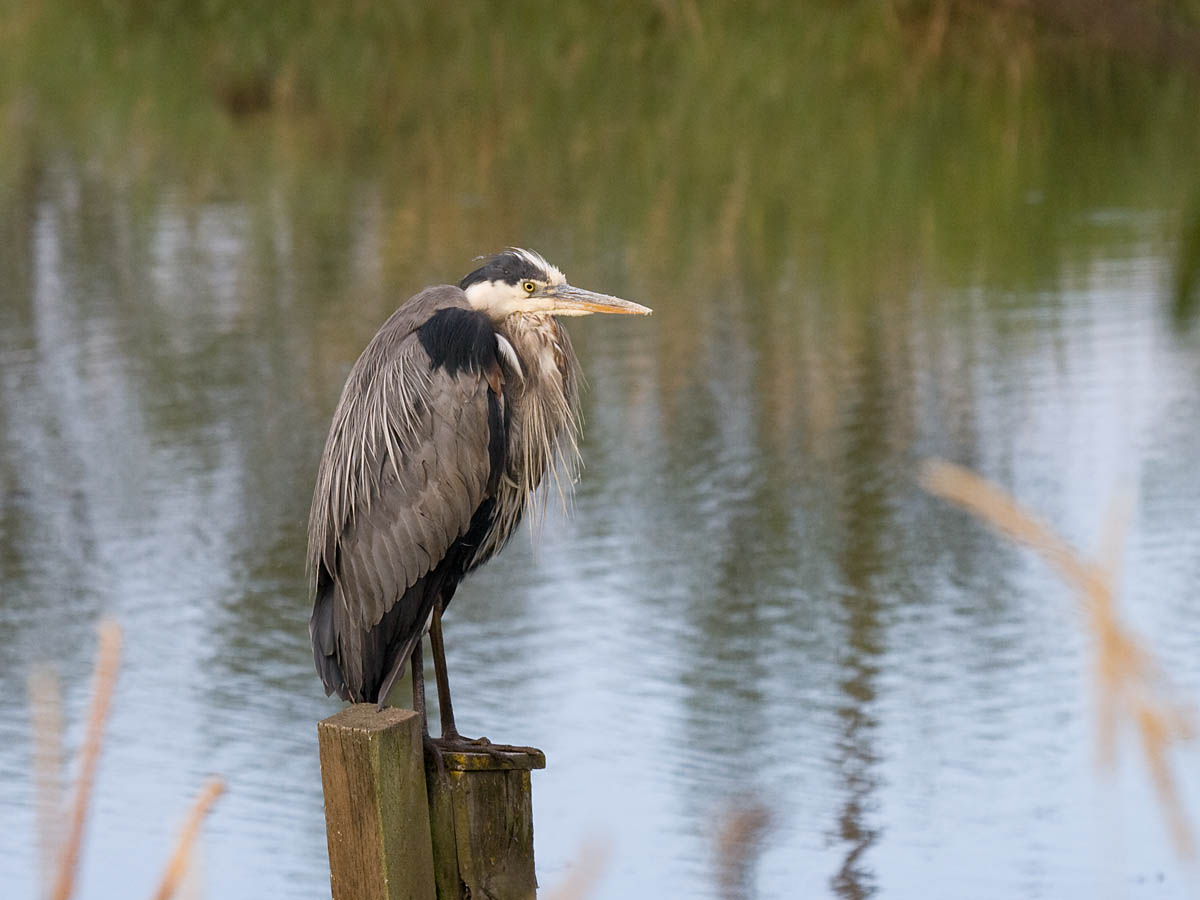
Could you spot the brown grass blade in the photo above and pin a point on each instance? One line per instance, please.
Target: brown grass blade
(108, 658)
(582, 878)
(739, 843)
(1128, 681)
(177, 866)
(46, 718)
(996, 508)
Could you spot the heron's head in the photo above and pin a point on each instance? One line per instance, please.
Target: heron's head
(521, 281)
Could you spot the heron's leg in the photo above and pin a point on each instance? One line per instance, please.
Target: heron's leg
(449, 732)
(418, 685)
(451, 739)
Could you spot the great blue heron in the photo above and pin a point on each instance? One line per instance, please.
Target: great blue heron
(448, 423)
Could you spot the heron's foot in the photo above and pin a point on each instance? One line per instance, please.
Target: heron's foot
(456, 743)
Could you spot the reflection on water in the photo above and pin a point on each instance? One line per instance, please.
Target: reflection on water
(862, 561)
(753, 598)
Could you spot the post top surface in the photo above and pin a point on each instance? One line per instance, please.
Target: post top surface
(496, 761)
(365, 717)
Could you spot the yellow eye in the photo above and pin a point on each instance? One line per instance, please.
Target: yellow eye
(529, 287)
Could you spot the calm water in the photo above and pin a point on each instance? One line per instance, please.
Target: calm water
(752, 600)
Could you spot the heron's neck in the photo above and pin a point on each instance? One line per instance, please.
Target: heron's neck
(538, 342)
(544, 408)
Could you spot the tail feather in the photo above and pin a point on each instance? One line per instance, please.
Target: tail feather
(377, 657)
(323, 634)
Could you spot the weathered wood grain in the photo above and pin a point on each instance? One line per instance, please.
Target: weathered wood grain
(481, 815)
(376, 807)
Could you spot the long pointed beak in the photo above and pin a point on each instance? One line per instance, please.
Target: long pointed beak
(573, 301)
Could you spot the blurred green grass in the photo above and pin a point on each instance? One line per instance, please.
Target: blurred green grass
(867, 138)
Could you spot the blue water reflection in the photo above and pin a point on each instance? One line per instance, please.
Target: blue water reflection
(752, 597)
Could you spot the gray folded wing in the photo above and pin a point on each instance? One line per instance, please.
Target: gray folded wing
(404, 470)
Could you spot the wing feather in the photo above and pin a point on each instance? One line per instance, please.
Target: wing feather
(405, 468)
(407, 510)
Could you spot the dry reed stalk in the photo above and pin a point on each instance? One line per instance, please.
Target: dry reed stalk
(108, 657)
(739, 843)
(581, 880)
(45, 701)
(1129, 683)
(177, 866)
(192, 885)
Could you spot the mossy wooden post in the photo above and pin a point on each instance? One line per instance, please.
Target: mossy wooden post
(481, 813)
(376, 808)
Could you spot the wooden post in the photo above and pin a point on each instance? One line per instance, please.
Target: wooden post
(376, 810)
(481, 813)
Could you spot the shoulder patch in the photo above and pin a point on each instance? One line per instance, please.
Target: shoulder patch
(459, 339)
